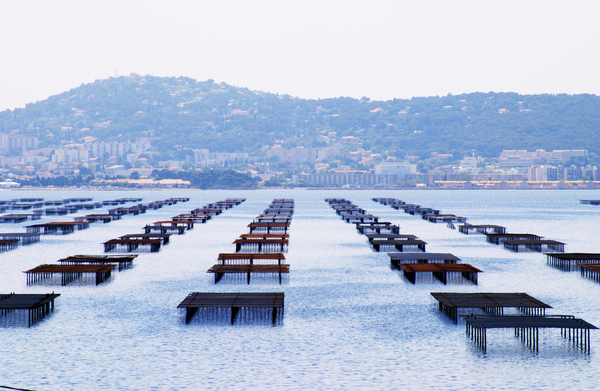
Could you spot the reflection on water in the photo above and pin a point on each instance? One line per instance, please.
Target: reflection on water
(350, 320)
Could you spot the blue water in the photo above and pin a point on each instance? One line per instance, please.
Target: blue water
(350, 321)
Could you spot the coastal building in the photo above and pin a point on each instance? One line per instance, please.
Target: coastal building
(560, 173)
(203, 157)
(524, 158)
(350, 179)
(24, 143)
(400, 169)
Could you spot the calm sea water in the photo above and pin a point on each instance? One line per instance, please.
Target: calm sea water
(350, 321)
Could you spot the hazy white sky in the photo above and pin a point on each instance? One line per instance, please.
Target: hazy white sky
(311, 49)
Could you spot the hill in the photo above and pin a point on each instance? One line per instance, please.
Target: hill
(181, 113)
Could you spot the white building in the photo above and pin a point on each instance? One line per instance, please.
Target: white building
(204, 158)
(517, 158)
(401, 169)
(470, 161)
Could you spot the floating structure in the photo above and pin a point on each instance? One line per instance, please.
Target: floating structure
(337, 201)
(58, 228)
(132, 245)
(421, 211)
(387, 201)
(186, 224)
(405, 206)
(220, 270)
(164, 229)
(399, 245)
(590, 270)
(69, 273)
(36, 305)
(125, 211)
(216, 305)
(246, 264)
(19, 217)
(193, 217)
(570, 261)
(527, 328)
(163, 237)
(124, 261)
(491, 303)
(438, 218)
(8, 244)
(382, 227)
(267, 245)
(499, 238)
(206, 210)
(439, 271)
(481, 229)
(272, 219)
(360, 218)
(268, 227)
(248, 259)
(24, 238)
(97, 217)
(390, 236)
(534, 245)
(397, 258)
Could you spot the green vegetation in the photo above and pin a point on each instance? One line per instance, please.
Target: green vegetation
(183, 114)
(209, 179)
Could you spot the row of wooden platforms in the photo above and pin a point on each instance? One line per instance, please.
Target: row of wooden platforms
(443, 267)
(158, 233)
(532, 316)
(429, 214)
(259, 253)
(11, 240)
(97, 268)
(526, 325)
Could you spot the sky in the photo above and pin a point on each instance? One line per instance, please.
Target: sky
(381, 49)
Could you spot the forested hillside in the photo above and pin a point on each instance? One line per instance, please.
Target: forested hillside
(190, 114)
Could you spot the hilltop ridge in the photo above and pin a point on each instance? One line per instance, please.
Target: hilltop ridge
(182, 113)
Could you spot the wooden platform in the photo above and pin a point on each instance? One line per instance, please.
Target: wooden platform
(570, 261)
(37, 305)
(25, 238)
(481, 229)
(164, 229)
(396, 258)
(390, 236)
(436, 218)
(164, 237)
(124, 261)
(268, 227)
(499, 238)
(590, 270)
(360, 218)
(58, 228)
(526, 327)
(412, 244)
(492, 303)
(534, 245)
(133, 245)
(69, 272)
(271, 301)
(439, 270)
(220, 270)
(249, 258)
(268, 245)
(381, 227)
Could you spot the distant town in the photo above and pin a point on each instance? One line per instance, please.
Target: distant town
(134, 164)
